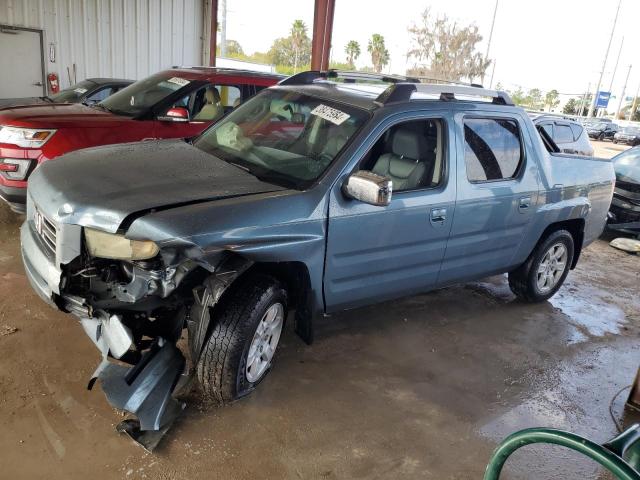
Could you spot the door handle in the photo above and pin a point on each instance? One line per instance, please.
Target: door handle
(438, 215)
(39, 84)
(524, 204)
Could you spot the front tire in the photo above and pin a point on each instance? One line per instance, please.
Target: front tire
(546, 269)
(247, 329)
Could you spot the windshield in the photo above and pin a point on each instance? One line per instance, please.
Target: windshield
(630, 130)
(599, 126)
(73, 94)
(284, 138)
(140, 96)
(627, 166)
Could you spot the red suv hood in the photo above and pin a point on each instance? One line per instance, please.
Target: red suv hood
(59, 115)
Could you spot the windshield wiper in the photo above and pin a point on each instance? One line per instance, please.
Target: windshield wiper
(47, 99)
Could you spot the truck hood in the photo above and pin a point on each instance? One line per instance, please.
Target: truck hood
(59, 115)
(101, 187)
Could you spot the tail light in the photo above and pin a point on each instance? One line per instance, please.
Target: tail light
(14, 168)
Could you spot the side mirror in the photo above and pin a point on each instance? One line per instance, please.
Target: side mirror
(369, 187)
(175, 114)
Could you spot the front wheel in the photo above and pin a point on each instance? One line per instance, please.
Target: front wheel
(601, 137)
(544, 272)
(245, 336)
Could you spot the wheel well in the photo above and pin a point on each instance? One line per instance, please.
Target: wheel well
(293, 275)
(576, 228)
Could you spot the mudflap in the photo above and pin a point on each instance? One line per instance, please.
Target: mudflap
(146, 390)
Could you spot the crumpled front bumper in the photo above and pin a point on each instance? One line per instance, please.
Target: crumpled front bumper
(42, 272)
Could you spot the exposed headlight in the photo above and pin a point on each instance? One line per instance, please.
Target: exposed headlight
(14, 168)
(117, 247)
(25, 137)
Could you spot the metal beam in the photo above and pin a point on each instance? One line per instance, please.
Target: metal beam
(322, 32)
(213, 33)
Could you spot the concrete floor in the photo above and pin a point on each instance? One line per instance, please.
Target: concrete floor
(422, 388)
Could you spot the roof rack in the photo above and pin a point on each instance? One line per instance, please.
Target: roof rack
(403, 92)
(306, 78)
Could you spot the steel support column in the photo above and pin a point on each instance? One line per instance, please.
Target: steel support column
(214, 33)
(322, 30)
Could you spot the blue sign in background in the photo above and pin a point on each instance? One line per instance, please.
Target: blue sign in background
(602, 100)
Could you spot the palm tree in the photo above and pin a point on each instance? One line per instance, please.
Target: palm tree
(378, 51)
(353, 52)
(298, 35)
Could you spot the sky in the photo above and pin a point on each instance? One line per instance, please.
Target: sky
(545, 44)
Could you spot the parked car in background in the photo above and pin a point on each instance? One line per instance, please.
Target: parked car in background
(91, 90)
(176, 103)
(602, 130)
(628, 136)
(625, 205)
(569, 135)
(314, 195)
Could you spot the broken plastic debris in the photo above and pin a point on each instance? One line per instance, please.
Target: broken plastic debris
(626, 244)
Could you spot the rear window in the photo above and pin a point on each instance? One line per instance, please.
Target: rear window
(492, 149)
(563, 134)
(577, 131)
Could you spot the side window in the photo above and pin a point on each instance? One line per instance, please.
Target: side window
(100, 95)
(563, 133)
(411, 154)
(213, 101)
(577, 131)
(492, 149)
(548, 127)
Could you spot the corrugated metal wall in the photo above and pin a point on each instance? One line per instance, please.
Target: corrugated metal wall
(112, 38)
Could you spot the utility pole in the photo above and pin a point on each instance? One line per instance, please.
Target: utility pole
(615, 69)
(604, 63)
(583, 102)
(624, 91)
(493, 23)
(493, 71)
(632, 110)
(223, 29)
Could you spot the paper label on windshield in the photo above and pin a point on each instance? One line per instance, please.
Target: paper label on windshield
(80, 90)
(179, 81)
(332, 114)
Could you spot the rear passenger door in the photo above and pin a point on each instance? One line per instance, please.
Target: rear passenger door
(378, 253)
(497, 193)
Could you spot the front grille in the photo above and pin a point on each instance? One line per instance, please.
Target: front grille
(46, 230)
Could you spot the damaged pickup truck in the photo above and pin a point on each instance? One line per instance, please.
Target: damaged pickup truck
(317, 195)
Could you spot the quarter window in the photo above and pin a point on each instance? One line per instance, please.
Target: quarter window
(563, 134)
(492, 149)
(577, 131)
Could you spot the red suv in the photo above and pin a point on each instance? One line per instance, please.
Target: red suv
(176, 103)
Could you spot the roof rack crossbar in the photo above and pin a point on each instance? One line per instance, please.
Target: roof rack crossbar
(305, 78)
(403, 92)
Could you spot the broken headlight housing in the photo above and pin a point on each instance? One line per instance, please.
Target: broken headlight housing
(25, 137)
(117, 247)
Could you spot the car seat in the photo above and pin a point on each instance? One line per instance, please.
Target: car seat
(212, 110)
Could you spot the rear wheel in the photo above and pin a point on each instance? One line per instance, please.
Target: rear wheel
(601, 137)
(245, 336)
(544, 272)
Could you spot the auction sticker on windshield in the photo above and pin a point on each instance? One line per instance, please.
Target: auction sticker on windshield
(179, 81)
(328, 113)
(80, 90)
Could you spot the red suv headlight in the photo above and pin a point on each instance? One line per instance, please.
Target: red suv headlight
(14, 168)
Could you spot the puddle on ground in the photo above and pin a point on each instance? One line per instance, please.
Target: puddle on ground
(588, 310)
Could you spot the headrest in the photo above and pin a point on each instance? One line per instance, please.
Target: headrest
(212, 95)
(407, 143)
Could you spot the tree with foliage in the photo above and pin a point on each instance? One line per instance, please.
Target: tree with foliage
(378, 51)
(352, 49)
(234, 48)
(441, 49)
(518, 96)
(298, 36)
(534, 99)
(292, 51)
(552, 99)
(571, 107)
(633, 105)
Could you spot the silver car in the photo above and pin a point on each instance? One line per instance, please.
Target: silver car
(568, 134)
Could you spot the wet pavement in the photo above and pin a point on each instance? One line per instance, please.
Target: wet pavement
(421, 388)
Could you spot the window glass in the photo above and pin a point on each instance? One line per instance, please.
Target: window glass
(563, 133)
(492, 149)
(411, 154)
(99, 95)
(548, 127)
(73, 93)
(627, 166)
(577, 131)
(284, 138)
